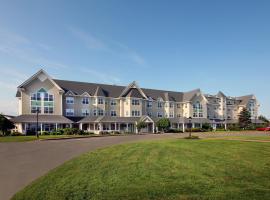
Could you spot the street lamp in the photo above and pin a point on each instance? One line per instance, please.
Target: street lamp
(190, 126)
(37, 112)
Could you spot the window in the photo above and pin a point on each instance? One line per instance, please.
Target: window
(94, 101)
(100, 101)
(178, 105)
(69, 112)
(126, 113)
(178, 115)
(149, 114)
(34, 109)
(149, 104)
(42, 99)
(70, 100)
(197, 109)
(159, 104)
(113, 102)
(135, 113)
(85, 100)
(159, 115)
(95, 112)
(171, 115)
(100, 112)
(48, 110)
(171, 105)
(113, 113)
(135, 102)
(85, 112)
(48, 97)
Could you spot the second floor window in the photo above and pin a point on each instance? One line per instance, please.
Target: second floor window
(113, 102)
(135, 113)
(100, 112)
(113, 113)
(69, 112)
(159, 115)
(171, 105)
(85, 100)
(135, 102)
(70, 100)
(85, 112)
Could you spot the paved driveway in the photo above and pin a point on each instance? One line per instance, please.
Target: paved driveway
(21, 163)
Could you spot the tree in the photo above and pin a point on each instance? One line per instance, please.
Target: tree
(163, 124)
(245, 119)
(5, 124)
(141, 125)
(264, 119)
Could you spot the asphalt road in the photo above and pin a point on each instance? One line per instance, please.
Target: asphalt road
(23, 162)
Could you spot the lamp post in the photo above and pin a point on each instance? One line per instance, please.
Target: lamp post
(37, 112)
(190, 126)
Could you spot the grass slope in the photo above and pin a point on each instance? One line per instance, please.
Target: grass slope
(167, 169)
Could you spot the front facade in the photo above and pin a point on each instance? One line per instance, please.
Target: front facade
(99, 107)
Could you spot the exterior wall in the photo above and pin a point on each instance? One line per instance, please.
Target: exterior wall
(33, 87)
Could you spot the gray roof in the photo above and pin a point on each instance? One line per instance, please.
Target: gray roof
(41, 118)
(133, 92)
(244, 99)
(115, 91)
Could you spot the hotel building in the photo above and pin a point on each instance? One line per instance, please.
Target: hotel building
(100, 107)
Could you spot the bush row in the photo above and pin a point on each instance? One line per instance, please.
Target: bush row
(67, 131)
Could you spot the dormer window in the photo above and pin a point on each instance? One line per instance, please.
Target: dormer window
(100, 101)
(70, 100)
(113, 102)
(85, 100)
(149, 104)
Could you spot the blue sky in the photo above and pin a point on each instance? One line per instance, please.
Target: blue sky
(174, 45)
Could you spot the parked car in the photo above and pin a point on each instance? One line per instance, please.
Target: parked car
(264, 129)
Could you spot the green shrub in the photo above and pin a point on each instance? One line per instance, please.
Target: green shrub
(16, 134)
(174, 131)
(104, 133)
(71, 131)
(116, 132)
(234, 127)
(220, 129)
(194, 130)
(206, 127)
(163, 124)
(45, 133)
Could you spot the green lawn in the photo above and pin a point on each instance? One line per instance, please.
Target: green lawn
(31, 138)
(165, 169)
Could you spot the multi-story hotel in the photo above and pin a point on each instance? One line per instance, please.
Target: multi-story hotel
(97, 107)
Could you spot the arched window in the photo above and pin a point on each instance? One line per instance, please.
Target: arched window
(40, 99)
(197, 110)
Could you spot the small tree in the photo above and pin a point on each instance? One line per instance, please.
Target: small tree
(5, 125)
(264, 119)
(207, 127)
(163, 124)
(245, 119)
(141, 125)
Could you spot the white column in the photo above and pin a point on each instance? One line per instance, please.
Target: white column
(127, 127)
(193, 125)
(56, 126)
(41, 128)
(81, 126)
(225, 126)
(153, 127)
(183, 127)
(136, 129)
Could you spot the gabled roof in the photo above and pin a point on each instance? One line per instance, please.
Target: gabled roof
(243, 100)
(18, 94)
(133, 92)
(189, 95)
(137, 92)
(101, 92)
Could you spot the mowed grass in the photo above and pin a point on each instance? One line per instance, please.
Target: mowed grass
(41, 137)
(165, 169)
